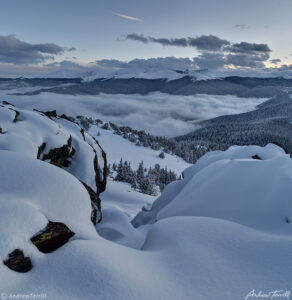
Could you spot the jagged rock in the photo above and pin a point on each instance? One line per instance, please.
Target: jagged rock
(60, 157)
(96, 214)
(17, 262)
(50, 114)
(63, 116)
(54, 236)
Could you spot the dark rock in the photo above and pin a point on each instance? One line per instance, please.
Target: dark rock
(71, 119)
(50, 114)
(54, 236)
(83, 134)
(96, 215)
(16, 114)
(60, 157)
(40, 150)
(17, 262)
(6, 103)
(256, 157)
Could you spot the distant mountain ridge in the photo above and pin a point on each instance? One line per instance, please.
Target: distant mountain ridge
(237, 86)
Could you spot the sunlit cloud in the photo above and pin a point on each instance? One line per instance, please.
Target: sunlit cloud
(128, 17)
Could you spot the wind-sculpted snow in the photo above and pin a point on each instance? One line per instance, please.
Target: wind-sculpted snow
(248, 185)
(56, 140)
(197, 248)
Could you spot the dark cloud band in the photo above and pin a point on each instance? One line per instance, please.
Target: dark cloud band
(13, 50)
(204, 42)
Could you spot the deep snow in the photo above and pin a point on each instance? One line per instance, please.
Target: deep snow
(220, 232)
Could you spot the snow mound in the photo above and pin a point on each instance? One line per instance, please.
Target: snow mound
(56, 140)
(196, 250)
(33, 192)
(248, 185)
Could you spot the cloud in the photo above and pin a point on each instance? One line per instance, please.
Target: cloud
(247, 60)
(203, 42)
(128, 17)
(157, 113)
(13, 50)
(241, 26)
(137, 37)
(208, 42)
(170, 62)
(210, 60)
(245, 47)
(216, 52)
(275, 61)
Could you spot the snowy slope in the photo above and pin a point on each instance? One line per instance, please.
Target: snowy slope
(116, 147)
(178, 257)
(248, 185)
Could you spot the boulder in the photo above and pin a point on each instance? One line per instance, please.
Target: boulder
(54, 236)
(17, 262)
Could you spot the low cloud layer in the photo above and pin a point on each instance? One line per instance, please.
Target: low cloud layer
(16, 51)
(157, 113)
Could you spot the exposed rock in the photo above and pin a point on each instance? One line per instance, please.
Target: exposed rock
(101, 180)
(70, 119)
(256, 157)
(41, 149)
(17, 262)
(96, 215)
(52, 237)
(50, 114)
(16, 115)
(82, 133)
(60, 157)
(6, 103)
(55, 146)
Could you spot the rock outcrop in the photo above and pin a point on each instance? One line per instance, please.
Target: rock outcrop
(59, 141)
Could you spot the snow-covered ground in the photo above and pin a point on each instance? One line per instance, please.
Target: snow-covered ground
(116, 147)
(222, 232)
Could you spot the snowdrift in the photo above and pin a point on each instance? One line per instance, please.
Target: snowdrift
(221, 232)
(248, 185)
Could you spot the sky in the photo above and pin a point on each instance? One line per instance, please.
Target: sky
(35, 33)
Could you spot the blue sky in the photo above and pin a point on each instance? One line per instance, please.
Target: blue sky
(97, 33)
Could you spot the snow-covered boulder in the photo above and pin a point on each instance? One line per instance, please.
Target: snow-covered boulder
(59, 141)
(32, 193)
(248, 185)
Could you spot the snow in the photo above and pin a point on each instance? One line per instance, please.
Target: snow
(232, 186)
(121, 196)
(33, 129)
(33, 192)
(116, 147)
(219, 233)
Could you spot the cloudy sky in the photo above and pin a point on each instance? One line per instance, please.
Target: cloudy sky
(35, 34)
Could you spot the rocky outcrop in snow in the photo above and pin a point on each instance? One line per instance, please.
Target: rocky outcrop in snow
(58, 141)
